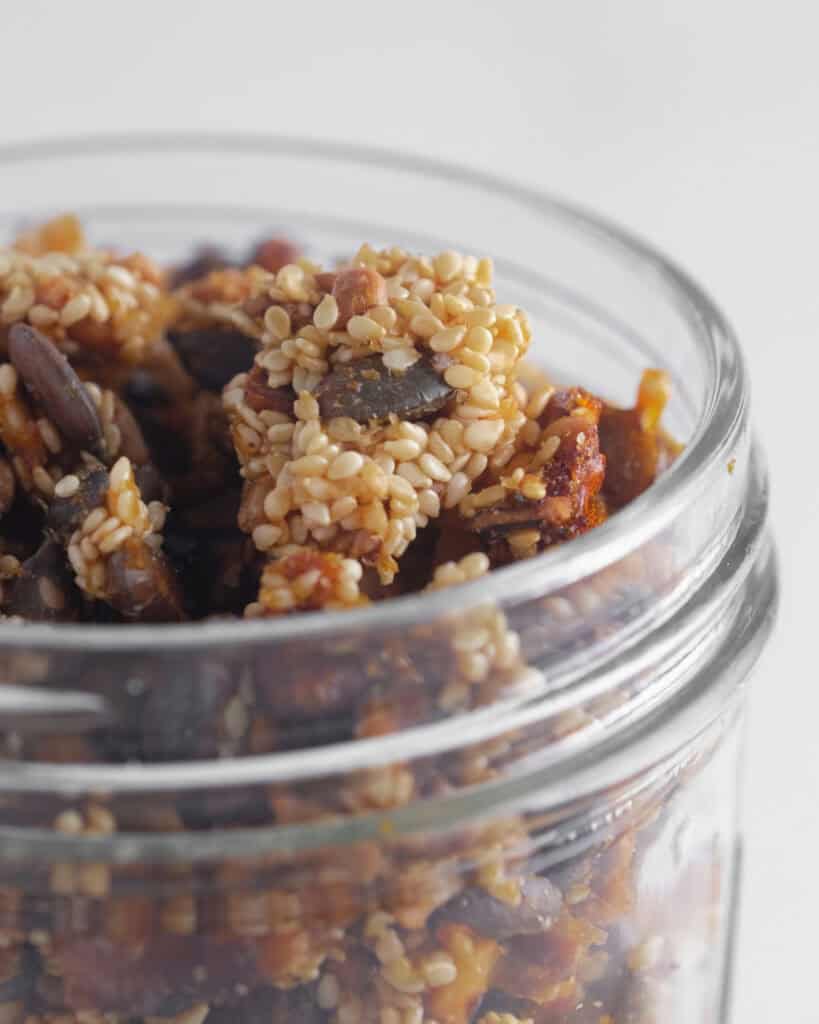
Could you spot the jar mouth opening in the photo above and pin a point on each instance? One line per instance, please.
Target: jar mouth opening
(712, 438)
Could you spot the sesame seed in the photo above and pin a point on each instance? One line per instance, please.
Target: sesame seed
(460, 376)
(447, 340)
(400, 359)
(326, 313)
(363, 328)
(67, 487)
(483, 435)
(433, 467)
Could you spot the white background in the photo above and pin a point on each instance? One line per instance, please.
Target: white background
(694, 122)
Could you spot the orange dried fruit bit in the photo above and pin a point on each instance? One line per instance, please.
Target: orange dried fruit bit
(356, 290)
(475, 959)
(62, 234)
(652, 397)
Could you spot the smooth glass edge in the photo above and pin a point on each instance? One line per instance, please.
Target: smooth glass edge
(737, 561)
(723, 418)
(717, 687)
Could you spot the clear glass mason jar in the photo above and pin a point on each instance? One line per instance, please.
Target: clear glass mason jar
(513, 800)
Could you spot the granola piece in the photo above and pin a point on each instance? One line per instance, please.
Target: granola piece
(635, 448)
(352, 462)
(550, 491)
(116, 549)
(90, 303)
(303, 579)
(61, 234)
(474, 958)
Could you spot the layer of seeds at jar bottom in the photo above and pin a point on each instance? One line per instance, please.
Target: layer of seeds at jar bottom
(614, 912)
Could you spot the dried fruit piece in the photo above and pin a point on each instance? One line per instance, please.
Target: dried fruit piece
(214, 356)
(356, 290)
(7, 486)
(44, 590)
(53, 384)
(260, 396)
(275, 253)
(539, 904)
(205, 259)
(67, 514)
(632, 441)
(141, 586)
(365, 390)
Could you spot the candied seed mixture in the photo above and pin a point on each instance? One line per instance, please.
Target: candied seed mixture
(263, 436)
(347, 421)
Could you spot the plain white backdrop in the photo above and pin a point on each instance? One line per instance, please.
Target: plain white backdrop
(694, 122)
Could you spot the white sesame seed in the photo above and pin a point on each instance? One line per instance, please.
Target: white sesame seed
(316, 513)
(265, 536)
(460, 376)
(403, 490)
(457, 489)
(120, 473)
(429, 503)
(404, 449)
(76, 309)
(345, 465)
(363, 328)
(434, 468)
(410, 471)
(425, 325)
(447, 340)
(483, 435)
(67, 487)
(115, 540)
(306, 407)
(326, 313)
(400, 359)
(343, 507)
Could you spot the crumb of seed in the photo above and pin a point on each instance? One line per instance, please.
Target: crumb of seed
(84, 299)
(121, 516)
(301, 579)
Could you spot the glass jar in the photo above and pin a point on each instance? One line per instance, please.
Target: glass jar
(515, 800)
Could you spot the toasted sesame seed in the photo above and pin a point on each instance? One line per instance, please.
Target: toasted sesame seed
(306, 407)
(483, 435)
(67, 486)
(76, 309)
(400, 359)
(447, 340)
(460, 376)
(433, 467)
(115, 540)
(326, 313)
(8, 379)
(363, 328)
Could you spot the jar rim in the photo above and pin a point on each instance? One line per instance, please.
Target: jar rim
(723, 414)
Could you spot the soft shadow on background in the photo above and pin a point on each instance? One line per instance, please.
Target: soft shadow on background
(692, 123)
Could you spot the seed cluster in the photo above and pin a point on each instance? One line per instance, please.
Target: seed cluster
(356, 483)
(121, 516)
(88, 301)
